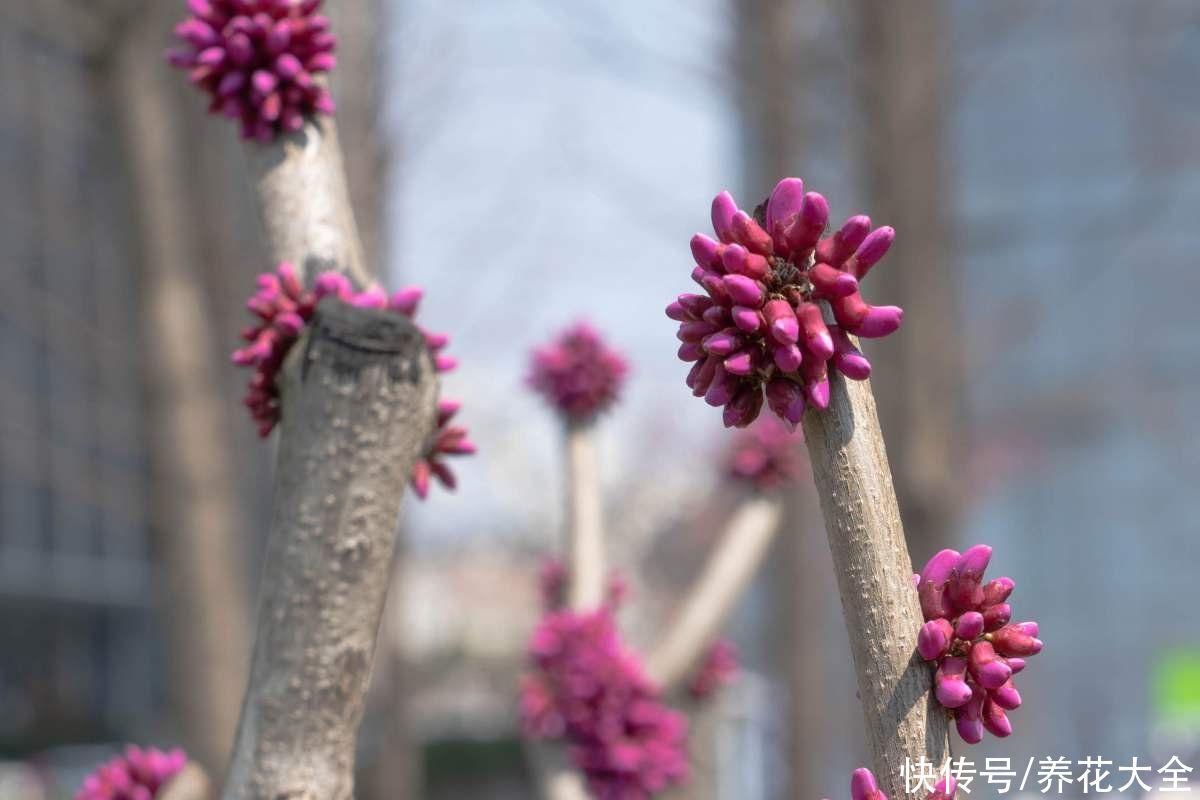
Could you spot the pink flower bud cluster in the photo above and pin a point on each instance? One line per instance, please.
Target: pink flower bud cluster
(284, 306)
(719, 668)
(969, 634)
(863, 786)
(589, 688)
(767, 455)
(258, 59)
(137, 775)
(577, 374)
(760, 327)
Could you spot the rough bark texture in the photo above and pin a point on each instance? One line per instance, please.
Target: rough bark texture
(585, 526)
(358, 406)
(918, 374)
(304, 202)
(195, 506)
(730, 568)
(874, 574)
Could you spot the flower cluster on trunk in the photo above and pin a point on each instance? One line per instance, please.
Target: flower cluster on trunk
(780, 304)
(138, 774)
(863, 786)
(970, 635)
(258, 61)
(284, 307)
(767, 455)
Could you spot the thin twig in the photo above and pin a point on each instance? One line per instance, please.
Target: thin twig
(585, 525)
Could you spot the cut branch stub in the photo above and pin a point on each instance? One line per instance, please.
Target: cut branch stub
(874, 576)
(358, 407)
(304, 201)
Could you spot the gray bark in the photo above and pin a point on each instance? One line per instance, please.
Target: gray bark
(358, 406)
(304, 202)
(874, 576)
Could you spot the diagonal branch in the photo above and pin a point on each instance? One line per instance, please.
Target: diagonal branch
(730, 567)
(874, 575)
(358, 398)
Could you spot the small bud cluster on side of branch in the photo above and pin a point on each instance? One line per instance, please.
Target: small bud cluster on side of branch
(969, 634)
(138, 774)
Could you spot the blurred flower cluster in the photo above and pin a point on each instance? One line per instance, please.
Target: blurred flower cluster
(136, 775)
(577, 374)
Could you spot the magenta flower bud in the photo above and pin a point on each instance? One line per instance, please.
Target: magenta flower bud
(787, 356)
(997, 616)
(786, 398)
(816, 383)
(1011, 640)
(969, 718)
(781, 322)
(694, 304)
(721, 390)
(677, 312)
(837, 248)
(694, 331)
(744, 291)
(934, 639)
(805, 231)
(995, 720)
(863, 786)
(969, 626)
(749, 320)
(828, 281)
(880, 321)
(723, 209)
(738, 260)
(706, 370)
(784, 202)
(1028, 628)
(944, 789)
(739, 363)
(1016, 665)
(744, 407)
(690, 351)
(750, 234)
(873, 248)
(817, 337)
(1007, 696)
(964, 589)
(987, 667)
(717, 316)
(997, 591)
(724, 342)
(949, 683)
(847, 358)
(706, 251)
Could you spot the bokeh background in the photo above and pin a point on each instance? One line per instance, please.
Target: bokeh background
(532, 162)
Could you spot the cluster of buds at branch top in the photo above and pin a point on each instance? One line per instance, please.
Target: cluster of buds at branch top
(969, 634)
(284, 307)
(139, 774)
(767, 455)
(257, 60)
(863, 786)
(717, 670)
(760, 328)
(589, 689)
(552, 586)
(577, 374)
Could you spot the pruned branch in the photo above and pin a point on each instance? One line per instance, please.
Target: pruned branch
(874, 576)
(585, 526)
(304, 202)
(358, 405)
(730, 567)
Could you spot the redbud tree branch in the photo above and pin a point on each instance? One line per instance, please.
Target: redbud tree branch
(730, 567)
(304, 202)
(358, 404)
(874, 575)
(585, 527)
